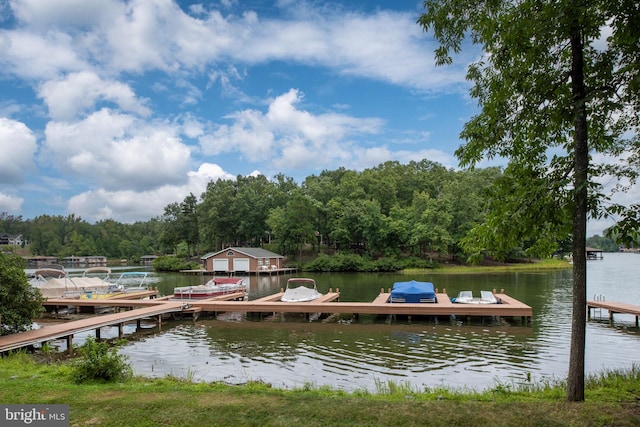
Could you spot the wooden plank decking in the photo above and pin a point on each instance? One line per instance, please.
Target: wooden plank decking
(613, 308)
(68, 329)
(444, 307)
(328, 303)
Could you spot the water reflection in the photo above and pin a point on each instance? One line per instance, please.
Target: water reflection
(425, 353)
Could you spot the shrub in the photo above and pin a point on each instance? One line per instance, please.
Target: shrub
(100, 363)
(171, 263)
(351, 263)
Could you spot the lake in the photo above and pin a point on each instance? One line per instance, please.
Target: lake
(371, 352)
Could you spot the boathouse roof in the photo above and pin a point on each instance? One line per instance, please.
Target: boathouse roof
(250, 252)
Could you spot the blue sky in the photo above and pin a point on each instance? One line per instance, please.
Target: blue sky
(114, 109)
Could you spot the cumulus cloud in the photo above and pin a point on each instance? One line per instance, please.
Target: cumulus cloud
(17, 147)
(33, 56)
(10, 203)
(79, 92)
(131, 206)
(287, 135)
(115, 150)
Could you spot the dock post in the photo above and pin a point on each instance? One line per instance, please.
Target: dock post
(120, 330)
(70, 344)
(98, 334)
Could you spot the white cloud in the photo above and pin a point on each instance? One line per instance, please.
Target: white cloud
(32, 56)
(17, 147)
(117, 151)
(78, 13)
(10, 203)
(146, 35)
(131, 206)
(384, 46)
(288, 136)
(79, 92)
(156, 34)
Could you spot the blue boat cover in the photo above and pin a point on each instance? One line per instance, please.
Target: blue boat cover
(413, 292)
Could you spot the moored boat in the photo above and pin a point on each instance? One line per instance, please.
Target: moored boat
(300, 289)
(466, 297)
(43, 274)
(133, 281)
(413, 292)
(213, 288)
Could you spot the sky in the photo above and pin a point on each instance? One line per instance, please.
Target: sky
(114, 109)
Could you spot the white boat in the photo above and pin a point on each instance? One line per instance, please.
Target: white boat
(213, 288)
(466, 297)
(95, 283)
(300, 290)
(57, 283)
(132, 281)
(43, 274)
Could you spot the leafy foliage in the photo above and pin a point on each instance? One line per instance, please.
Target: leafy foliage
(20, 303)
(352, 263)
(172, 263)
(99, 363)
(561, 103)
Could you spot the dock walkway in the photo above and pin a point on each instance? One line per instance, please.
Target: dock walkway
(68, 329)
(613, 308)
(327, 304)
(380, 305)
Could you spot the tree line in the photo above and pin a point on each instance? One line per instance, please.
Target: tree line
(419, 209)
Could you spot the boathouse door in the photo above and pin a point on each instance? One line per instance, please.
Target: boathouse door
(241, 264)
(221, 265)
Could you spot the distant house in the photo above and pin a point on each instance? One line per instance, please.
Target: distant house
(147, 259)
(242, 260)
(11, 239)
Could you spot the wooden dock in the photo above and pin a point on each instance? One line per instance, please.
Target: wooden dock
(613, 308)
(136, 309)
(68, 329)
(510, 307)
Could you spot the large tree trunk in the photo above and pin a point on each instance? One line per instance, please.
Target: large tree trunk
(575, 379)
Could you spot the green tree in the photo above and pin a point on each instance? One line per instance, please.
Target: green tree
(20, 303)
(552, 90)
(293, 224)
(431, 218)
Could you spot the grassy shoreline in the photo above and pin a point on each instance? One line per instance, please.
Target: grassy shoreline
(544, 265)
(612, 398)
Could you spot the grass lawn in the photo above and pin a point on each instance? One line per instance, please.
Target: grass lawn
(612, 399)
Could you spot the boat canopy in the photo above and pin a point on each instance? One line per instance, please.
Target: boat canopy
(413, 292)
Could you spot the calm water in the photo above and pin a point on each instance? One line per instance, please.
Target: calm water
(372, 351)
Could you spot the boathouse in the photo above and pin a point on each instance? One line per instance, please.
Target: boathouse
(147, 259)
(593, 253)
(242, 260)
